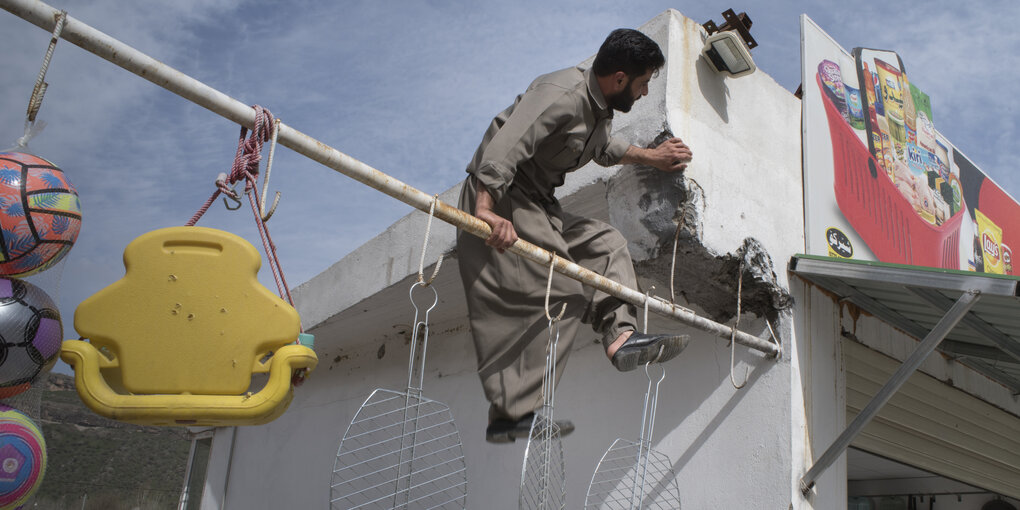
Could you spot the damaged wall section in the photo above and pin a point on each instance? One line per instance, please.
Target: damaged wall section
(656, 211)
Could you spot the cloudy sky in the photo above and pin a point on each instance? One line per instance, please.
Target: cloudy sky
(407, 87)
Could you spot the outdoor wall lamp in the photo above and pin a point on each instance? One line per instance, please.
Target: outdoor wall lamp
(727, 47)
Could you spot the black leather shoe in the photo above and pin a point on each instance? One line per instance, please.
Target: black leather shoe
(642, 348)
(523, 428)
(507, 431)
(501, 431)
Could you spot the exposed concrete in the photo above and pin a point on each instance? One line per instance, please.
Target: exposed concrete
(658, 211)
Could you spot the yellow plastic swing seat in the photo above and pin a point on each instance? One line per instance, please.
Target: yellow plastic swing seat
(177, 340)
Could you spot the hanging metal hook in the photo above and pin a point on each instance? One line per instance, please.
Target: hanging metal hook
(265, 183)
(733, 331)
(672, 266)
(548, 290)
(420, 332)
(424, 244)
(645, 328)
(230, 193)
(647, 297)
(648, 419)
(775, 339)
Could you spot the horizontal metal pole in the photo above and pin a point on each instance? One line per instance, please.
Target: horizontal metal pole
(122, 55)
(909, 366)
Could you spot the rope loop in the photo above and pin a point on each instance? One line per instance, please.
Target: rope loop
(424, 245)
(246, 168)
(733, 331)
(672, 266)
(39, 90)
(265, 182)
(249, 152)
(548, 290)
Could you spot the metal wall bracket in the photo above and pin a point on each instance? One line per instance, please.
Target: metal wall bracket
(909, 366)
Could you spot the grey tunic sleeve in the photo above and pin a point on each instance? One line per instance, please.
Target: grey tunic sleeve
(612, 153)
(540, 111)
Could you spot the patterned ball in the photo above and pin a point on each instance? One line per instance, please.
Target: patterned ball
(22, 458)
(30, 335)
(40, 214)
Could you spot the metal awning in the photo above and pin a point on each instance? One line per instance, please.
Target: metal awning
(914, 298)
(971, 317)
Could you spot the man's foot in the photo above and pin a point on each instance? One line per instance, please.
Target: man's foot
(500, 431)
(642, 348)
(508, 431)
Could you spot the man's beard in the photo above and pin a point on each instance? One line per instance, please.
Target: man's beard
(621, 101)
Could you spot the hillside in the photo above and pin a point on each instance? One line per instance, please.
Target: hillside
(104, 464)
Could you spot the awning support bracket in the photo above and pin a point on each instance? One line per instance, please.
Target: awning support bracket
(909, 366)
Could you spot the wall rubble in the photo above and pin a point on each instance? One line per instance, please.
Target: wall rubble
(656, 210)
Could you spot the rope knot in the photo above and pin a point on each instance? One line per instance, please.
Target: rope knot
(246, 166)
(249, 152)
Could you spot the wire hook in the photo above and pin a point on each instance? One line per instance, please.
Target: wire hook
(424, 244)
(672, 266)
(420, 332)
(647, 294)
(265, 183)
(775, 339)
(733, 330)
(548, 290)
(221, 183)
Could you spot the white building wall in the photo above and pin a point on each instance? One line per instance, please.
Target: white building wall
(730, 448)
(821, 394)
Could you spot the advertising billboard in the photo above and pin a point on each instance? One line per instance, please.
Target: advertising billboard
(881, 183)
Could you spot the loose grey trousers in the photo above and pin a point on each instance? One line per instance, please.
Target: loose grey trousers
(506, 296)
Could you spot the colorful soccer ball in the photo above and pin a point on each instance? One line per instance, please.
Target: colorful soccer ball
(40, 214)
(22, 458)
(30, 335)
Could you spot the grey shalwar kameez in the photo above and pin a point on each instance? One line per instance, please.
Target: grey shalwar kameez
(558, 125)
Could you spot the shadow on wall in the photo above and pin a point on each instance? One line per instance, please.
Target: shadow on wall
(699, 380)
(713, 87)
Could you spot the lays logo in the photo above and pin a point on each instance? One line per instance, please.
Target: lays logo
(991, 247)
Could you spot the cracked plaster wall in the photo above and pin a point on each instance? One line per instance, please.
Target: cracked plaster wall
(740, 198)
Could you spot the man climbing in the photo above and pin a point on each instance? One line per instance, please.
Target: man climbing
(558, 125)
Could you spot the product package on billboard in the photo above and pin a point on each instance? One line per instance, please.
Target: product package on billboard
(880, 182)
(994, 215)
(886, 183)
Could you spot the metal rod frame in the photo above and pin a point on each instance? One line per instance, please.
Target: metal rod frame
(1004, 342)
(92, 40)
(909, 366)
(182, 502)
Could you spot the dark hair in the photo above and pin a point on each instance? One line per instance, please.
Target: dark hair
(629, 51)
